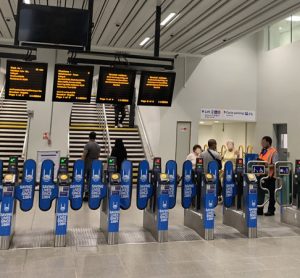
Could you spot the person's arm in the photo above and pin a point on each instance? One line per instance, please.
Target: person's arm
(275, 158)
(85, 152)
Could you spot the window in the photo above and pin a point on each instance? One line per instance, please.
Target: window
(280, 33)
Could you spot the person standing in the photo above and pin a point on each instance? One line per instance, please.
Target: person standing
(119, 109)
(230, 154)
(270, 155)
(91, 152)
(194, 154)
(119, 152)
(209, 155)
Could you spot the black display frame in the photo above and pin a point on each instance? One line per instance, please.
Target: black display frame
(7, 79)
(144, 74)
(90, 84)
(105, 70)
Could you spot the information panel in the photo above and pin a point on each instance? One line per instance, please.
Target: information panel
(156, 88)
(72, 83)
(25, 80)
(115, 86)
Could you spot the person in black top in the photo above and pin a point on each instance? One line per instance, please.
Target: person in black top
(119, 109)
(119, 151)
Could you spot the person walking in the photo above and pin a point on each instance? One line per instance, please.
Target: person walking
(119, 109)
(91, 152)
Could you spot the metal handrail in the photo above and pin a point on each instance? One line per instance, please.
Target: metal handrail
(106, 129)
(144, 132)
(2, 96)
(25, 144)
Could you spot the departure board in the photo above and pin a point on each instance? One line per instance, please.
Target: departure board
(72, 83)
(25, 80)
(115, 85)
(156, 88)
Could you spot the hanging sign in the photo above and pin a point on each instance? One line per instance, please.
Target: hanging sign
(228, 115)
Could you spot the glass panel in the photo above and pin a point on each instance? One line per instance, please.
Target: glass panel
(295, 26)
(280, 33)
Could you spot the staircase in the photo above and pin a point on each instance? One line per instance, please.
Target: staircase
(85, 117)
(13, 124)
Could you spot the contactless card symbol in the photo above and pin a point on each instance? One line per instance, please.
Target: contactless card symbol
(164, 204)
(115, 205)
(228, 178)
(78, 176)
(143, 177)
(210, 203)
(29, 176)
(46, 177)
(253, 203)
(187, 177)
(125, 177)
(96, 176)
(6, 207)
(62, 207)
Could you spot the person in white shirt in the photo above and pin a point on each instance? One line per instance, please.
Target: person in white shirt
(194, 155)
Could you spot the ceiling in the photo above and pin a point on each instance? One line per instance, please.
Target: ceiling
(200, 27)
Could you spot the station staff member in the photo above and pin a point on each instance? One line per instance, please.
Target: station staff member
(194, 154)
(269, 154)
(90, 153)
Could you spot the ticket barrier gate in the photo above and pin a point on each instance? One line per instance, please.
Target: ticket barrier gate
(199, 207)
(112, 191)
(63, 191)
(241, 214)
(156, 194)
(11, 191)
(287, 192)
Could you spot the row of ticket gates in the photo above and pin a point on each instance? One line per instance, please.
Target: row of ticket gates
(156, 195)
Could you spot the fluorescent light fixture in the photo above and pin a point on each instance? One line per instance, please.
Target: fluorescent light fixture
(293, 18)
(144, 41)
(202, 123)
(216, 122)
(26, 1)
(167, 19)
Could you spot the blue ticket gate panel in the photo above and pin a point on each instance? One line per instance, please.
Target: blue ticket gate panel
(110, 209)
(8, 203)
(48, 189)
(1, 179)
(171, 171)
(62, 203)
(77, 185)
(24, 192)
(97, 188)
(201, 218)
(126, 185)
(144, 187)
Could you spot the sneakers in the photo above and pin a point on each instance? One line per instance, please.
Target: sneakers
(269, 213)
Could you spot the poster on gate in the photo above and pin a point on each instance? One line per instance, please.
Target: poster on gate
(228, 115)
(44, 155)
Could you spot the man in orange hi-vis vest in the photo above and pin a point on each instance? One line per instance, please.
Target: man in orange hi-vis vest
(269, 154)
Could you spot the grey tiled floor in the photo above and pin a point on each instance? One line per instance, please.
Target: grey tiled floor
(276, 253)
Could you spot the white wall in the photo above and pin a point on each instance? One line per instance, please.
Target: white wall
(224, 79)
(234, 131)
(279, 94)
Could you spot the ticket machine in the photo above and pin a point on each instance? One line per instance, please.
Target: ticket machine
(63, 191)
(241, 213)
(156, 194)
(199, 207)
(287, 191)
(112, 191)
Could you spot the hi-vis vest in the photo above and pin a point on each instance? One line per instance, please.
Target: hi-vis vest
(268, 158)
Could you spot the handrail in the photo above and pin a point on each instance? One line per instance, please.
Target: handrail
(2, 96)
(26, 141)
(106, 128)
(144, 132)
